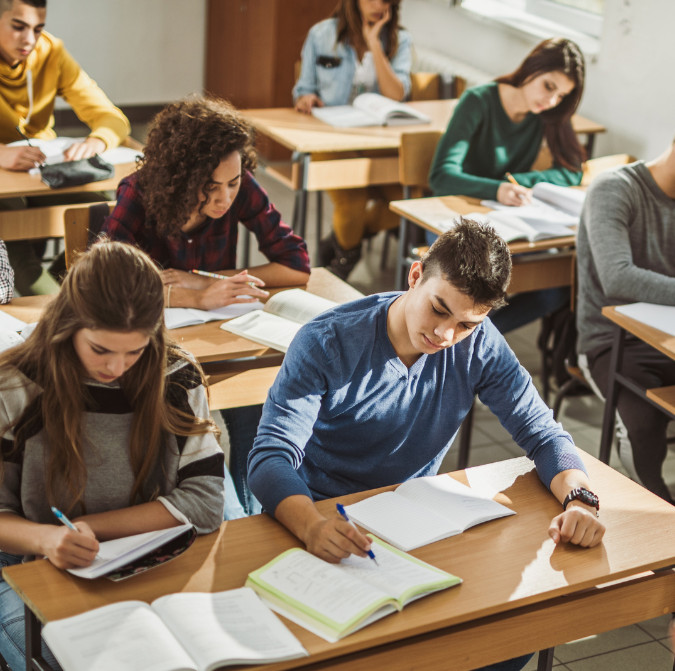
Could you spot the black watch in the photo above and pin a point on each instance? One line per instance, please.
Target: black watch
(585, 496)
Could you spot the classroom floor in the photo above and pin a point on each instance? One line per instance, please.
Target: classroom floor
(640, 647)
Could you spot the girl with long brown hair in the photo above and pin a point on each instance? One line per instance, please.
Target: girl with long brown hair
(360, 48)
(106, 420)
(499, 129)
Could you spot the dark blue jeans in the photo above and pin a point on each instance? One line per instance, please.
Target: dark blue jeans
(529, 306)
(12, 623)
(242, 426)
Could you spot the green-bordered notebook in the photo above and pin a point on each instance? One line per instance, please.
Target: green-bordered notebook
(334, 600)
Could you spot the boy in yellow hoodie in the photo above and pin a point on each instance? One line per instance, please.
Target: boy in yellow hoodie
(34, 68)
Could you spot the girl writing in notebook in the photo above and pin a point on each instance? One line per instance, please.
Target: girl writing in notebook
(496, 140)
(183, 206)
(103, 418)
(360, 48)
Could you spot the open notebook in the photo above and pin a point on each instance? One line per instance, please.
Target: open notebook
(334, 600)
(177, 632)
(425, 510)
(175, 318)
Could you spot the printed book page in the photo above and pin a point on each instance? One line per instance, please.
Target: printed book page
(178, 632)
(175, 318)
(370, 109)
(283, 315)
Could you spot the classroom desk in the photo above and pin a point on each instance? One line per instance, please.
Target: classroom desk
(305, 135)
(663, 398)
(240, 371)
(534, 271)
(520, 592)
(44, 222)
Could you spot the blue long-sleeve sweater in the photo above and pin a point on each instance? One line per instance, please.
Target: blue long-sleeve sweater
(345, 414)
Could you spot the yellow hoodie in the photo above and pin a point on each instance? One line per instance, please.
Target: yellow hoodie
(28, 91)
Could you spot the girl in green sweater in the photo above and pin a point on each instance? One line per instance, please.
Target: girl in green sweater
(503, 127)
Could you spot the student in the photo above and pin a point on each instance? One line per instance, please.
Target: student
(499, 128)
(105, 419)
(626, 254)
(360, 48)
(372, 393)
(6, 276)
(34, 68)
(183, 205)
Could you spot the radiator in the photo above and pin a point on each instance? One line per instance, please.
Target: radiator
(429, 60)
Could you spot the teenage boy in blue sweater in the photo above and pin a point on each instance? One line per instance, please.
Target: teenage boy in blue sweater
(372, 393)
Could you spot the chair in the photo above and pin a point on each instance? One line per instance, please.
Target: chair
(416, 154)
(82, 225)
(425, 86)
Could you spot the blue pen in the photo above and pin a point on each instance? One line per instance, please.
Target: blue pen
(341, 510)
(63, 519)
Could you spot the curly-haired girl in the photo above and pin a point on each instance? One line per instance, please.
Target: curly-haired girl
(183, 205)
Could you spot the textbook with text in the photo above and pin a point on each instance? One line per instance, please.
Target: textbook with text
(124, 557)
(424, 510)
(175, 318)
(335, 600)
(281, 318)
(177, 632)
(370, 109)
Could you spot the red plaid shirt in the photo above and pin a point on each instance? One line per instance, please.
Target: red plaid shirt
(213, 245)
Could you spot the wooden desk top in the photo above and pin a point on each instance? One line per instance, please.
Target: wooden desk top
(16, 184)
(506, 564)
(208, 342)
(427, 212)
(663, 342)
(306, 134)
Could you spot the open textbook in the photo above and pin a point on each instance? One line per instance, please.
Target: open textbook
(123, 557)
(424, 510)
(554, 212)
(370, 109)
(177, 632)
(334, 600)
(54, 151)
(281, 318)
(175, 318)
(661, 317)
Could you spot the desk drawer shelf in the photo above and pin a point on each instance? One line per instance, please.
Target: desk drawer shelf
(664, 397)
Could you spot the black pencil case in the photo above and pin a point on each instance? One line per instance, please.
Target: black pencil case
(75, 173)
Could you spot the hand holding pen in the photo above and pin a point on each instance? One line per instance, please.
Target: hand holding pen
(511, 193)
(70, 550)
(343, 513)
(21, 158)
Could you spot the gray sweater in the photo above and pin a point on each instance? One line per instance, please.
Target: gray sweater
(190, 477)
(625, 249)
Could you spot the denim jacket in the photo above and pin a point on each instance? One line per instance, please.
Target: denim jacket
(328, 67)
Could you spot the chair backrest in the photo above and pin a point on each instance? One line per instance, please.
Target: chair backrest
(594, 166)
(416, 153)
(82, 224)
(425, 86)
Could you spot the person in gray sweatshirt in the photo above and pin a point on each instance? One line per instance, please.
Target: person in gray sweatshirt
(626, 254)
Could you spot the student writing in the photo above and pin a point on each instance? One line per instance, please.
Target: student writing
(499, 128)
(104, 418)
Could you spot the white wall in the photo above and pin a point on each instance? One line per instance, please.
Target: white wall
(630, 84)
(139, 51)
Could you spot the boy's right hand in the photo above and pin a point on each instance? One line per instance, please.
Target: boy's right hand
(334, 539)
(21, 158)
(66, 548)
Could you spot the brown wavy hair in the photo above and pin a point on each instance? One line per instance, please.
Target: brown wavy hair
(187, 141)
(350, 26)
(116, 287)
(556, 54)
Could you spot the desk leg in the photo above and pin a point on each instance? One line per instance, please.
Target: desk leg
(300, 209)
(612, 394)
(590, 142)
(34, 660)
(402, 253)
(545, 660)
